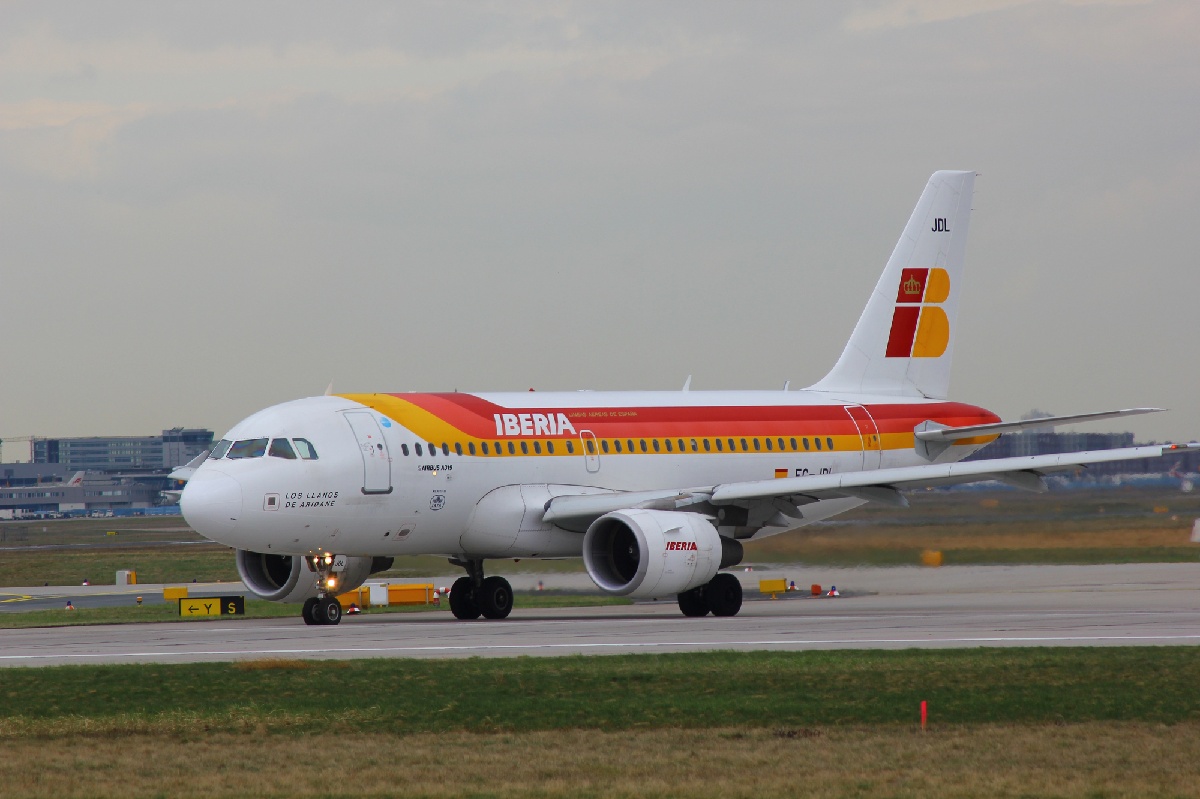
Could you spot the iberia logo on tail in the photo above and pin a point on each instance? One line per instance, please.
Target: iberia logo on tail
(920, 327)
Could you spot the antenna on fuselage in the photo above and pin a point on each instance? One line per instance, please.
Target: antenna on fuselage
(329, 389)
(786, 384)
(687, 384)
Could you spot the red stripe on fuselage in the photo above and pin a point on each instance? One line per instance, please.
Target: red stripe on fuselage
(475, 417)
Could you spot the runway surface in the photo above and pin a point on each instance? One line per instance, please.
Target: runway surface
(1139, 604)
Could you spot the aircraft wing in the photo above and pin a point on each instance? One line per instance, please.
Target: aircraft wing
(576, 512)
(1024, 471)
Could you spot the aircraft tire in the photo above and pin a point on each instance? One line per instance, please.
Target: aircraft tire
(307, 610)
(724, 595)
(327, 611)
(693, 603)
(463, 603)
(495, 598)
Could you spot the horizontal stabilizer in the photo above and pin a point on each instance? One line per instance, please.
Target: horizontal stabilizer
(932, 433)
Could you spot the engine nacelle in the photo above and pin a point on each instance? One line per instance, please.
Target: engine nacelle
(651, 553)
(287, 578)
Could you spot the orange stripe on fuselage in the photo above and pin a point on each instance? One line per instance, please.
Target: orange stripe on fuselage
(462, 417)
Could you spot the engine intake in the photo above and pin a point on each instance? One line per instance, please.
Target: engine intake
(648, 553)
(287, 578)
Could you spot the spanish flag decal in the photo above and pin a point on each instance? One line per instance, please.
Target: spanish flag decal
(781, 473)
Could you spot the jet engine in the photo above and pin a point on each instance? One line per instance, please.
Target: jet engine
(651, 553)
(287, 578)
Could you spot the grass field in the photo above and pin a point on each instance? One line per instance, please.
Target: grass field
(1003, 722)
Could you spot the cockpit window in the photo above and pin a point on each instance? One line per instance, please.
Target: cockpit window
(219, 450)
(305, 449)
(250, 448)
(280, 448)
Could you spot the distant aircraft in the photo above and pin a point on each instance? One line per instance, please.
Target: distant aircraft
(656, 490)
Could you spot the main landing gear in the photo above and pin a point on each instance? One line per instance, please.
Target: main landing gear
(475, 595)
(721, 596)
(323, 608)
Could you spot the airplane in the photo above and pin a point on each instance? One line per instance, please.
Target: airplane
(656, 490)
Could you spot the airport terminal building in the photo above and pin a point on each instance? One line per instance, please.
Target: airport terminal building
(98, 476)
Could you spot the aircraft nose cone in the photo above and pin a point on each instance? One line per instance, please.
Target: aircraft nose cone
(211, 503)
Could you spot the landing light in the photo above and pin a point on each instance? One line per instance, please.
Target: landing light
(331, 582)
(328, 559)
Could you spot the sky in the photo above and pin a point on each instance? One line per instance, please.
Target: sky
(209, 208)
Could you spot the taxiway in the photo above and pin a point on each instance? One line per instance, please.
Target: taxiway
(1135, 604)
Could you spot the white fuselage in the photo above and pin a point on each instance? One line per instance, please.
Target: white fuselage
(468, 475)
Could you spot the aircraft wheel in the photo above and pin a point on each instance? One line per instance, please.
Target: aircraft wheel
(307, 610)
(693, 603)
(327, 611)
(463, 603)
(724, 595)
(495, 598)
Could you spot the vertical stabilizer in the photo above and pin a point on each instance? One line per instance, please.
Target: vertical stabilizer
(904, 340)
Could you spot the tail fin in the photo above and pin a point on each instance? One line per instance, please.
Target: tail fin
(904, 339)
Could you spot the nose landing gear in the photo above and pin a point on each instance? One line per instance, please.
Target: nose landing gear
(324, 608)
(475, 595)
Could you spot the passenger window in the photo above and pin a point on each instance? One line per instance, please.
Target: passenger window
(667, 441)
(457, 448)
(485, 447)
(591, 447)
(818, 442)
(306, 450)
(793, 442)
(550, 447)
(280, 448)
(780, 445)
(417, 447)
(744, 447)
(570, 447)
(806, 443)
(524, 447)
(707, 446)
(768, 443)
(445, 448)
(250, 448)
(537, 447)
(630, 443)
(642, 444)
(604, 445)
(681, 447)
(756, 445)
(471, 447)
(511, 449)
(695, 446)
(432, 450)
(404, 449)
(720, 447)
(732, 446)
(219, 450)
(617, 444)
(655, 442)
(829, 443)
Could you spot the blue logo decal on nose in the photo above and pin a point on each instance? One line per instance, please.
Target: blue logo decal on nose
(386, 422)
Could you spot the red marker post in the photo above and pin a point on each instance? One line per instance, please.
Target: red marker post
(924, 713)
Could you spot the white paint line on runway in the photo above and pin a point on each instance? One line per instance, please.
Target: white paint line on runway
(310, 651)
